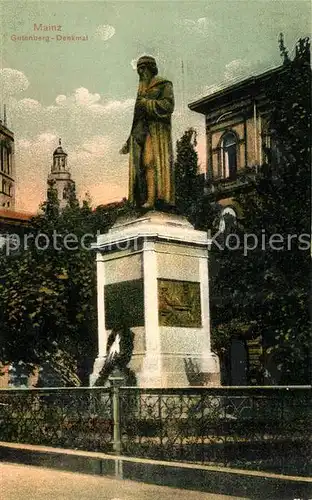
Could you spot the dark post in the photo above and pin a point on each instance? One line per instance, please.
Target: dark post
(116, 380)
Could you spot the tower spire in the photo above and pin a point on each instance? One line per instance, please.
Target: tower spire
(4, 115)
(60, 175)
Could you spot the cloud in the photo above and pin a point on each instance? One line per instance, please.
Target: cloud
(97, 145)
(61, 100)
(36, 145)
(27, 107)
(93, 129)
(28, 103)
(80, 114)
(85, 98)
(80, 97)
(234, 71)
(12, 82)
(202, 26)
(105, 32)
(117, 106)
(134, 63)
(237, 68)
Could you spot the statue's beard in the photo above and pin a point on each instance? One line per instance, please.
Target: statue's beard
(143, 85)
(145, 77)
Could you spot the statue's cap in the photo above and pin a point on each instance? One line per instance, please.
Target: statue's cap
(146, 60)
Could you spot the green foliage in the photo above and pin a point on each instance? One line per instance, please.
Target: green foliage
(270, 286)
(48, 295)
(189, 183)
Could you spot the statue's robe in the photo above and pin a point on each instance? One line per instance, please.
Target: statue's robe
(153, 117)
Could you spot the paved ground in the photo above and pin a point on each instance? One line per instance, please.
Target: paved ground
(35, 483)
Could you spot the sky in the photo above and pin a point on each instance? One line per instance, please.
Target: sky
(84, 91)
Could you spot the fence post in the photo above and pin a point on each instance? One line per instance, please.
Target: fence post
(116, 380)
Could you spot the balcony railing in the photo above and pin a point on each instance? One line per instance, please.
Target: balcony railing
(240, 180)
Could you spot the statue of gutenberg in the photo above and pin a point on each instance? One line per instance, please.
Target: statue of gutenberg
(149, 144)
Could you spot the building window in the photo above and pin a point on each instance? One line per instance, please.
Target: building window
(9, 163)
(229, 156)
(5, 159)
(2, 164)
(228, 220)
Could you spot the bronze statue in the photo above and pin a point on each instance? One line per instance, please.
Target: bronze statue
(149, 144)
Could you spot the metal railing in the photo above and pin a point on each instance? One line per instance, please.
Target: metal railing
(251, 427)
(79, 418)
(254, 428)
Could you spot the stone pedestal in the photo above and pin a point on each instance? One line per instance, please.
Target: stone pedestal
(153, 271)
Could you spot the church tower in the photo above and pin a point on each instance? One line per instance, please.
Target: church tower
(7, 166)
(60, 176)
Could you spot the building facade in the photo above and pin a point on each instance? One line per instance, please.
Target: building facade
(237, 136)
(237, 144)
(7, 168)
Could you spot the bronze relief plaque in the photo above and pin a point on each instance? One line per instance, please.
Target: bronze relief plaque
(179, 303)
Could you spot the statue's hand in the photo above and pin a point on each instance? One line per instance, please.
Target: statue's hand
(125, 149)
(140, 103)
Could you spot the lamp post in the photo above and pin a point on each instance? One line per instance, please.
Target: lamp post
(116, 380)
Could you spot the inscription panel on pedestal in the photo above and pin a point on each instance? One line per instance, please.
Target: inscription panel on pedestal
(124, 301)
(179, 303)
(126, 268)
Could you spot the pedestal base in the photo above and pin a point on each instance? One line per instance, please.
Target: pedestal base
(179, 371)
(153, 272)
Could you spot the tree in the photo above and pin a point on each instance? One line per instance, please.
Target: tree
(189, 183)
(269, 288)
(48, 291)
(186, 170)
